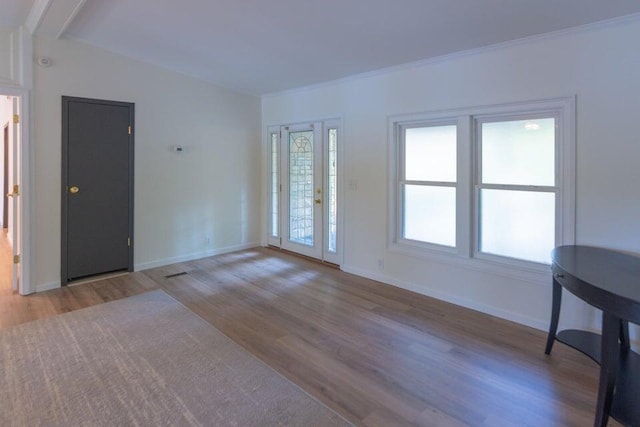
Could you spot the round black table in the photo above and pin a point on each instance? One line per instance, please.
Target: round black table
(610, 281)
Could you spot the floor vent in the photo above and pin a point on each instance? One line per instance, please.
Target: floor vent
(182, 273)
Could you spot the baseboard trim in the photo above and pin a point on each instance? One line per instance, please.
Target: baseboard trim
(193, 256)
(47, 286)
(453, 299)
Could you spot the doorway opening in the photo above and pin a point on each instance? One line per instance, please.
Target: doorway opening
(10, 203)
(304, 191)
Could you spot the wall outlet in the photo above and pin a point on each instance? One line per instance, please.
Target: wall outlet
(207, 241)
(381, 264)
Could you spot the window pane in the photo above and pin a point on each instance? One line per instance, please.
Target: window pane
(520, 152)
(301, 187)
(430, 154)
(332, 195)
(517, 224)
(430, 214)
(275, 185)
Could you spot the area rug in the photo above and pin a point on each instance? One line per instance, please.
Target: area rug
(142, 361)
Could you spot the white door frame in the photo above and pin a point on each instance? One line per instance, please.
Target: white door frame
(24, 176)
(277, 204)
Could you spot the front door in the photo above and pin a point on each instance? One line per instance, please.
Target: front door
(303, 199)
(303, 189)
(97, 187)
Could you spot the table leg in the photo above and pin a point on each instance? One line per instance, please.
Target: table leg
(555, 315)
(608, 367)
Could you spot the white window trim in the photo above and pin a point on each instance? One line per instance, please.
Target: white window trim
(465, 255)
(402, 127)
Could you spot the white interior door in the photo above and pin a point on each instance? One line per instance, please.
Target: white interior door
(14, 193)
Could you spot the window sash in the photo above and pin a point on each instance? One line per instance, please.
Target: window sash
(402, 183)
(480, 185)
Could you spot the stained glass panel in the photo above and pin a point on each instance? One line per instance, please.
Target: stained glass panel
(301, 188)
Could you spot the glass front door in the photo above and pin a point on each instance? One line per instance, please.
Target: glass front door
(303, 189)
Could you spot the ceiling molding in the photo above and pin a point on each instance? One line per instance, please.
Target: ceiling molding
(36, 15)
(71, 17)
(52, 18)
(485, 49)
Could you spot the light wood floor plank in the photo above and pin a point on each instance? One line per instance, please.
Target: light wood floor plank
(376, 354)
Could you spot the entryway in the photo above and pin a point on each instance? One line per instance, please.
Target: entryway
(10, 202)
(305, 201)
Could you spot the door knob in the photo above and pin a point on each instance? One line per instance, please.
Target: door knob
(73, 190)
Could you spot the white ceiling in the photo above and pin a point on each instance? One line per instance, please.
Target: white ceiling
(260, 46)
(14, 12)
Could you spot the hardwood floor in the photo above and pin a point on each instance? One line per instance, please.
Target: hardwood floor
(376, 354)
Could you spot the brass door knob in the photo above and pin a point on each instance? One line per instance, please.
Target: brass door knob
(73, 190)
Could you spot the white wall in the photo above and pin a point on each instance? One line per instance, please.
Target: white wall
(209, 192)
(600, 65)
(15, 57)
(8, 56)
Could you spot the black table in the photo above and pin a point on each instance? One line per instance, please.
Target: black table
(610, 281)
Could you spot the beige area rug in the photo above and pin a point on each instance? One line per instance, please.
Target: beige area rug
(142, 361)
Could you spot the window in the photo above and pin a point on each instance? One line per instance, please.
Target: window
(491, 185)
(516, 187)
(428, 185)
(332, 189)
(274, 185)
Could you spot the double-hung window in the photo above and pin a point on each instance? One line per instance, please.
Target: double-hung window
(488, 184)
(516, 186)
(427, 187)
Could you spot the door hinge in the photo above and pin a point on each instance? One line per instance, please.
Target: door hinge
(16, 259)
(129, 129)
(16, 190)
(16, 118)
(128, 241)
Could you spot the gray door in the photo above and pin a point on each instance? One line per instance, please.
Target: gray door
(97, 187)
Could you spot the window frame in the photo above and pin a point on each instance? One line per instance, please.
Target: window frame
(478, 186)
(466, 253)
(402, 182)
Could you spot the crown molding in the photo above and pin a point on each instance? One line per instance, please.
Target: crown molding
(465, 53)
